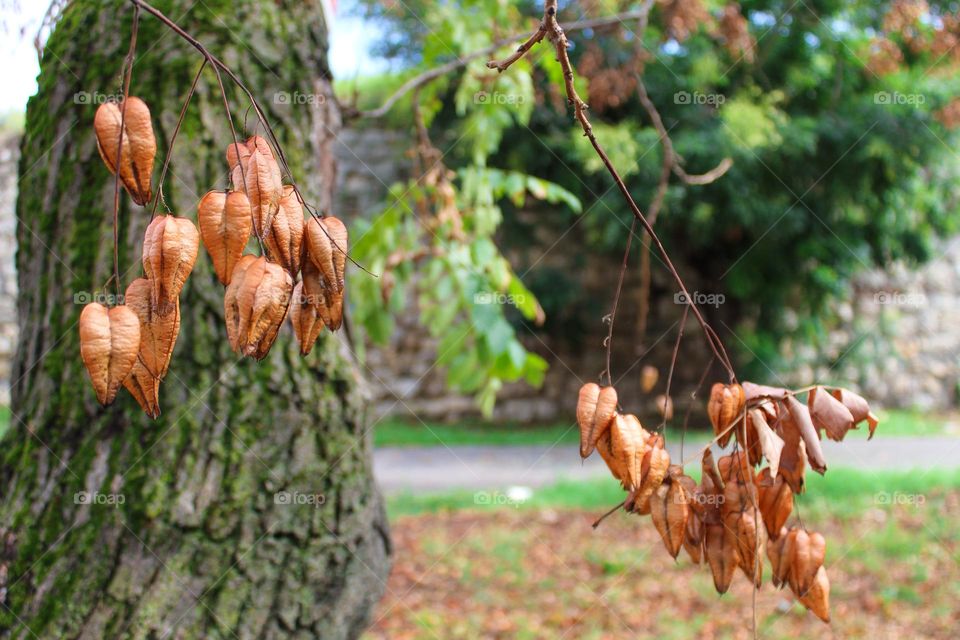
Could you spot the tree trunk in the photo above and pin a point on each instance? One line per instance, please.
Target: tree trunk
(184, 529)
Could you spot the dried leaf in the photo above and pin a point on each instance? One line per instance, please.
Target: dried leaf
(754, 392)
(829, 414)
(769, 442)
(285, 238)
(139, 146)
(225, 226)
(169, 253)
(858, 408)
(801, 418)
(109, 341)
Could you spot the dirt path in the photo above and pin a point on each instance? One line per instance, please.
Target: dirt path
(489, 467)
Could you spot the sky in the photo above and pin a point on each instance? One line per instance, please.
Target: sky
(350, 41)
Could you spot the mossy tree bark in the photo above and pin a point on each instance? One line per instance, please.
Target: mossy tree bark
(199, 545)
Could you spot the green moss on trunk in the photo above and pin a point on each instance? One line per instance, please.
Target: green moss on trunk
(200, 546)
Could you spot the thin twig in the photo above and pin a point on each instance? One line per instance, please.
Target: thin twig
(126, 75)
(673, 364)
(596, 523)
(430, 75)
(616, 300)
(173, 138)
(556, 35)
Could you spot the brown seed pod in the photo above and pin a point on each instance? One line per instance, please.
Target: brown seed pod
(605, 448)
(776, 502)
(109, 340)
(326, 243)
(750, 543)
(664, 406)
(724, 407)
(306, 320)
(586, 408)
(314, 293)
(649, 375)
(225, 225)
(693, 536)
(628, 440)
(778, 554)
(255, 304)
(285, 237)
(817, 597)
(669, 510)
(158, 335)
(656, 463)
(169, 252)
(261, 176)
(720, 549)
(137, 149)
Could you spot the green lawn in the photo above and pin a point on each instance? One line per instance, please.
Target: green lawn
(396, 432)
(838, 492)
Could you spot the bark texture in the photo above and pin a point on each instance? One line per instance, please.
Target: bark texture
(248, 510)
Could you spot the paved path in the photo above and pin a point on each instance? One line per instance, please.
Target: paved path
(495, 467)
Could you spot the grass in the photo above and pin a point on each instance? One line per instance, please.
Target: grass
(858, 491)
(396, 432)
(537, 569)
(4, 420)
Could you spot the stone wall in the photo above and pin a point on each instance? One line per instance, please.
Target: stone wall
(897, 337)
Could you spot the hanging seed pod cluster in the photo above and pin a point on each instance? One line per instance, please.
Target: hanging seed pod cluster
(132, 343)
(739, 510)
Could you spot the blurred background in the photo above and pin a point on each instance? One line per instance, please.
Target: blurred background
(826, 251)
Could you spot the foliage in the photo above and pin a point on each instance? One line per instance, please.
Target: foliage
(433, 242)
(838, 116)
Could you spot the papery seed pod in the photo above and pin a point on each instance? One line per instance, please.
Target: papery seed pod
(817, 598)
(693, 536)
(628, 441)
(658, 463)
(603, 417)
(260, 178)
(158, 335)
(605, 449)
(720, 549)
(326, 243)
(648, 378)
(170, 247)
(724, 407)
(799, 559)
(669, 510)
(225, 226)
(808, 560)
(664, 406)
(306, 320)
(779, 562)
(314, 293)
(586, 408)
(109, 340)
(139, 146)
(255, 304)
(285, 238)
(751, 540)
(776, 502)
